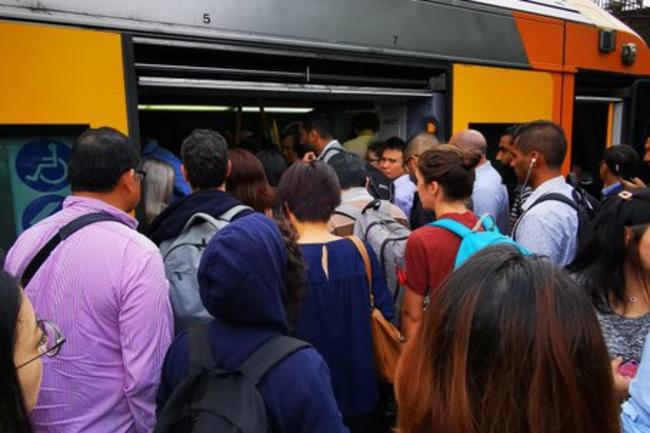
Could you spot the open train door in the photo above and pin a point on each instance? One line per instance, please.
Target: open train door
(639, 126)
(639, 120)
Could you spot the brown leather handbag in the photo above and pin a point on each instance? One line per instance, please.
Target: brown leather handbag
(387, 339)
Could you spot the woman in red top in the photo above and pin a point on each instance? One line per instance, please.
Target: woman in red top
(445, 178)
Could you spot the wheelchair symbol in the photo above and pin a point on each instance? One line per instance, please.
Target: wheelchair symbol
(51, 161)
(43, 165)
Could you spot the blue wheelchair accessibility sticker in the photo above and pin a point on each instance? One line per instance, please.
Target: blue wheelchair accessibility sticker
(41, 208)
(43, 165)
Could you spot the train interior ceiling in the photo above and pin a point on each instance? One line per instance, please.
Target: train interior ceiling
(251, 94)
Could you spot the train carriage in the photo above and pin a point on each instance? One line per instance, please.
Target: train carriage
(158, 69)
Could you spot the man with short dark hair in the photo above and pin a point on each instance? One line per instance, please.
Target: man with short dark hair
(354, 181)
(191, 222)
(490, 195)
(393, 166)
(105, 287)
(365, 127)
(317, 133)
(548, 227)
(502, 160)
(205, 166)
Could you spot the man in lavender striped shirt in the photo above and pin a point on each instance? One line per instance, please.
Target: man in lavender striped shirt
(105, 287)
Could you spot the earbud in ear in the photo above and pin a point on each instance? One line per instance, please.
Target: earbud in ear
(533, 162)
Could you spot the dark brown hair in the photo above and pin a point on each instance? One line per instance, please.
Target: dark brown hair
(545, 137)
(311, 191)
(450, 167)
(247, 181)
(296, 275)
(509, 345)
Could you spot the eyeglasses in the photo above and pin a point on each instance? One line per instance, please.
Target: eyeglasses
(141, 174)
(51, 341)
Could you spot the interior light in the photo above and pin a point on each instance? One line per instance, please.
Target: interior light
(222, 108)
(279, 110)
(167, 107)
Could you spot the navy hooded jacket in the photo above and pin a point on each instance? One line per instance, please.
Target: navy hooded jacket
(242, 282)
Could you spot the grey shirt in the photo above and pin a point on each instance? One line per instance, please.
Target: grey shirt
(624, 336)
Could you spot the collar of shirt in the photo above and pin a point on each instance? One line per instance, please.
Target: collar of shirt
(333, 143)
(483, 168)
(355, 194)
(612, 189)
(403, 180)
(557, 184)
(94, 205)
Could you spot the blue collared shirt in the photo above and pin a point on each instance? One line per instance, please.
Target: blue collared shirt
(635, 416)
(404, 192)
(550, 228)
(490, 196)
(609, 191)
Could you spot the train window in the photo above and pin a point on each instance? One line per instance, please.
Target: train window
(33, 174)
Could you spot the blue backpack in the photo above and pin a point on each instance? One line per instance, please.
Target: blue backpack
(474, 240)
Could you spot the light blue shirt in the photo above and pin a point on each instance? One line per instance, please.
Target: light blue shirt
(404, 192)
(550, 228)
(327, 154)
(635, 416)
(490, 196)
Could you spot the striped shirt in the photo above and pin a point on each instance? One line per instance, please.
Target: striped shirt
(105, 287)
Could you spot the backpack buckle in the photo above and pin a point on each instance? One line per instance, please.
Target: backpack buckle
(626, 195)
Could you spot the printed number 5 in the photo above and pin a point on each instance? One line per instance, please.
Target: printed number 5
(206, 19)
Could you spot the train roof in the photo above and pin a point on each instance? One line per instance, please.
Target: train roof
(472, 31)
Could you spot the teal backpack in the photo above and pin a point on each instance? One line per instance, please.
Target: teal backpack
(474, 240)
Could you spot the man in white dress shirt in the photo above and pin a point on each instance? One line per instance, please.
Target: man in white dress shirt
(392, 164)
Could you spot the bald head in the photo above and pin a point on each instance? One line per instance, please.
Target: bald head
(470, 140)
(420, 143)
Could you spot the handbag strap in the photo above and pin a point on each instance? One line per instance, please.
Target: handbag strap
(64, 232)
(363, 251)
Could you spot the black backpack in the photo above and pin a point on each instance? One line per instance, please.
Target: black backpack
(582, 202)
(210, 399)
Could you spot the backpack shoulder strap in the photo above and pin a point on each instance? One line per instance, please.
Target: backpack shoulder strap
(349, 211)
(64, 232)
(330, 150)
(233, 212)
(200, 216)
(455, 227)
(268, 355)
(198, 344)
(555, 196)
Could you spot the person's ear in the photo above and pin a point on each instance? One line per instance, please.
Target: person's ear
(185, 176)
(228, 169)
(128, 182)
(312, 136)
(433, 187)
(628, 234)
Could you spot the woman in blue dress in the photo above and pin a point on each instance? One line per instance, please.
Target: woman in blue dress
(335, 310)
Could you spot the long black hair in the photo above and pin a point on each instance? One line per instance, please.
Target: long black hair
(601, 257)
(13, 414)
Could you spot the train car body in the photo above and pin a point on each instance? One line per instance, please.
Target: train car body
(142, 66)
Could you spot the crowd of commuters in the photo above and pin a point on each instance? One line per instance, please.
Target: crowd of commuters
(251, 293)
